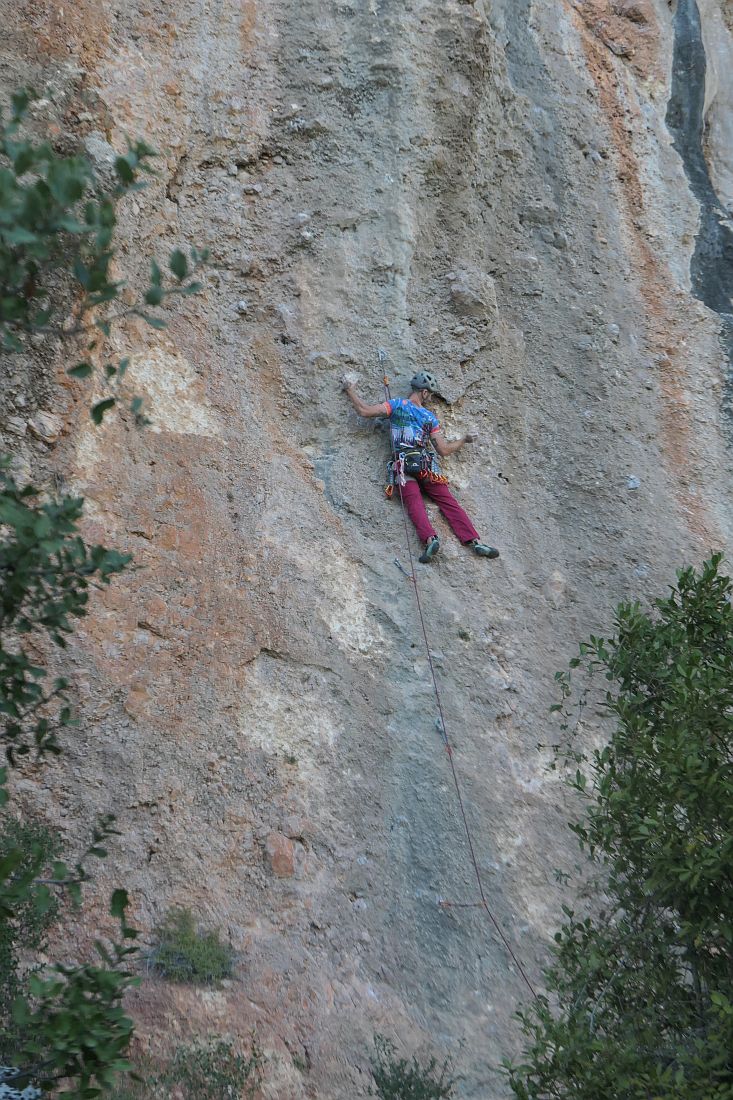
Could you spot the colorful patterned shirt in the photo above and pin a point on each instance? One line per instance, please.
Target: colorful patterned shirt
(410, 423)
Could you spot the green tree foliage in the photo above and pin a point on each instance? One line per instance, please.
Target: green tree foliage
(641, 986)
(46, 571)
(184, 953)
(72, 1021)
(399, 1079)
(64, 1023)
(57, 226)
(36, 848)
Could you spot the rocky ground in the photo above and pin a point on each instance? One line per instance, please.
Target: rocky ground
(488, 190)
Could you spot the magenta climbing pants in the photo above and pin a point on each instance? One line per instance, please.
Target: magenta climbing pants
(412, 494)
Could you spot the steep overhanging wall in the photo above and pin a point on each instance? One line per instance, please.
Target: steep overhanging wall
(488, 190)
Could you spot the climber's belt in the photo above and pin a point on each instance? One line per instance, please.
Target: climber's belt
(414, 462)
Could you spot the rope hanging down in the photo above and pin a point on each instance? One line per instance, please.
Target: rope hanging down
(483, 903)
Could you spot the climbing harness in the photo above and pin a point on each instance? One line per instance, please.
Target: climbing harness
(482, 903)
(412, 459)
(420, 463)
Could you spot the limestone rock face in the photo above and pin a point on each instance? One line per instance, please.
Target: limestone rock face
(257, 705)
(280, 855)
(473, 294)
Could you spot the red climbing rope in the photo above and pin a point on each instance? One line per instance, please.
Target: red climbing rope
(483, 903)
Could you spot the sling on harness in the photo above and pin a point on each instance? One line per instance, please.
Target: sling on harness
(410, 461)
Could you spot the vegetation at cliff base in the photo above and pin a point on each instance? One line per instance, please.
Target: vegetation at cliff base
(208, 1070)
(398, 1078)
(24, 930)
(640, 990)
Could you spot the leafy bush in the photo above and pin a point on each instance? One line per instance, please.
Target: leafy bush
(185, 954)
(642, 986)
(47, 571)
(73, 1021)
(24, 932)
(211, 1070)
(68, 1023)
(397, 1079)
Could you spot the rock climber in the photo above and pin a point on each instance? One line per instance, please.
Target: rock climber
(416, 436)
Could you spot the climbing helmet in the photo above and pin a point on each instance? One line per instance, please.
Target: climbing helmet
(424, 380)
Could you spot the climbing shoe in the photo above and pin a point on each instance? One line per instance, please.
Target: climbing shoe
(432, 546)
(483, 550)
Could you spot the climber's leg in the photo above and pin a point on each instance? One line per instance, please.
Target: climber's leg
(415, 506)
(451, 509)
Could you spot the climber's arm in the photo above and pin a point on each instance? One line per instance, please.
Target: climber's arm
(362, 407)
(444, 448)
